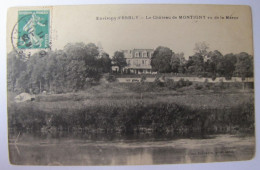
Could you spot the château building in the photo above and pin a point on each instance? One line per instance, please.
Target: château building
(138, 61)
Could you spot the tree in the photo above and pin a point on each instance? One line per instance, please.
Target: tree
(119, 60)
(181, 69)
(86, 54)
(80, 51)
(226, 66)
(57, 71)
(36, 68)
(195, 64)
(104, 63)
(76, 75)
(161, 60)
(75, 51)
(175, 62)
(92, 50)
(244, 65)
(23, 82)
(55, 74)
(212, 65)
(15, 66)
(201, 48)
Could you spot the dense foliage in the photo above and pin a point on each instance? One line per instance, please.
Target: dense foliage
(151, 118)
(119, 60)
(203, 63)
(70, 69)
(78, 66)
(161, 60)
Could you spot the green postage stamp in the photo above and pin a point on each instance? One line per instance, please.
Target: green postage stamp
(33, 29)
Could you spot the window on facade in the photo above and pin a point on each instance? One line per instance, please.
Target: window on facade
(140, 54)
(136, 54)
(142, 61)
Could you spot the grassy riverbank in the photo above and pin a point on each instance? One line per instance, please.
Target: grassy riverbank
(159, 118)
(119, 110)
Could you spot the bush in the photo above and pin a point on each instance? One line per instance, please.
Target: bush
(181, 83)
(228, 77)
(213, 77)
(206, 84)
(110, 78)
(221, 84)
(198, 87)
(188, 83)
(158, 82)
(163, 77)
(143, 78)
(170, 84)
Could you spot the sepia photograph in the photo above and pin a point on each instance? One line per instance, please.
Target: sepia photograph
(102, 85)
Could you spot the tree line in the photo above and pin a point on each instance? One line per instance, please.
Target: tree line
(70, 69)
(203, 63)
(79, 65)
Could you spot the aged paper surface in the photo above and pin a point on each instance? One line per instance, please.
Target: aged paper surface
(130, 84)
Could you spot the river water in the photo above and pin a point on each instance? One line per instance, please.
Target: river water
(114, 149)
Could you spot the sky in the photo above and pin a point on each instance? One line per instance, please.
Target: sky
(151, 26)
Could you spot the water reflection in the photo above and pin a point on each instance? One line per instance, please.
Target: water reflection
(115, 149)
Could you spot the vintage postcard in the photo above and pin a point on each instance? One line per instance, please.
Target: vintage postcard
(130, 84)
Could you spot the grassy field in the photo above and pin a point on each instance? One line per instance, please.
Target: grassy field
(120, 95)
(116, 107)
